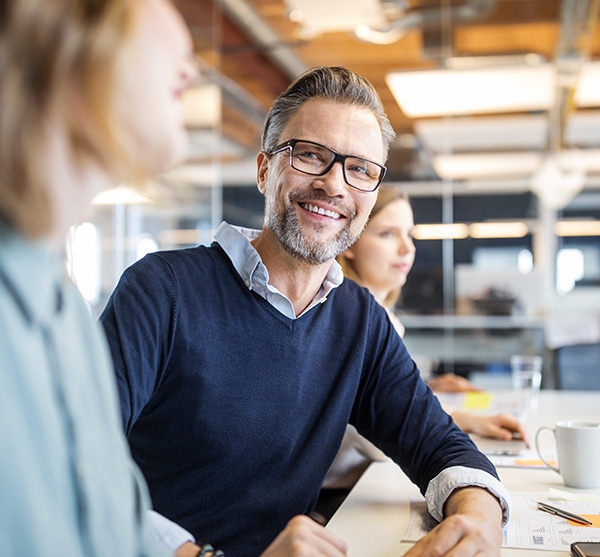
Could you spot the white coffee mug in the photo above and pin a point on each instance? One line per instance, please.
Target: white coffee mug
(578, 451)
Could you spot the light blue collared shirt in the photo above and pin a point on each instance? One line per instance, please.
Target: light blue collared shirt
(235, 241)
(68, 485)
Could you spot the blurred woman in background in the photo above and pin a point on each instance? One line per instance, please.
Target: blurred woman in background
(381, 260)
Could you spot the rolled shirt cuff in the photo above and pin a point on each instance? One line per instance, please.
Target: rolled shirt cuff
(456, 477)
(170, 534)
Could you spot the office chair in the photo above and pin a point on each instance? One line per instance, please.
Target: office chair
(577, 367)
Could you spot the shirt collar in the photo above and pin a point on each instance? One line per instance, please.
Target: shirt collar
(33, 275)
(235, 241)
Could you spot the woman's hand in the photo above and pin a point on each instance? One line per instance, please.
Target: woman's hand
(500, 426)
(451, 383)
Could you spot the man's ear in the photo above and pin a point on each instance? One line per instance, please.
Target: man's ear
(262, 170)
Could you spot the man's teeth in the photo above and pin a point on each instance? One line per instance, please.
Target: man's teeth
(321, 211)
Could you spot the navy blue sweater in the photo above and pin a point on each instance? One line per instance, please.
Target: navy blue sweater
(234, 412)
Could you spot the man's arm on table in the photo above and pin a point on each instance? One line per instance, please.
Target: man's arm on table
(472, 525)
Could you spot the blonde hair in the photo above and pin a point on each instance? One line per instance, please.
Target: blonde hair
(386, 195)
(58, 61)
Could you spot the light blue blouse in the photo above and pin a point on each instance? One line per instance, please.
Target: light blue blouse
(68, 485)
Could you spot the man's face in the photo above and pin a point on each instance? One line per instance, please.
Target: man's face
(315, 218)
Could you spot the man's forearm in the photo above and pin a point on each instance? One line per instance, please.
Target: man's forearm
(474, 500)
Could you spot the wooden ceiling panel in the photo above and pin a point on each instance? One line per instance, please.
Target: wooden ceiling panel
(514, 27)
(335, 48)
(537, 38)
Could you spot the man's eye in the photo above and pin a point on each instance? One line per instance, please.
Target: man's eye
(358, 169)
(308, 155)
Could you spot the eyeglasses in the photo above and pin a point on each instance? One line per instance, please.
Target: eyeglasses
(315, 159)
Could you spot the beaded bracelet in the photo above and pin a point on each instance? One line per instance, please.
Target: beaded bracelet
(207, 548)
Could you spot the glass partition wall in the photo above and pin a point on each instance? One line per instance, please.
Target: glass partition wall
(181, 208)
(507, 264)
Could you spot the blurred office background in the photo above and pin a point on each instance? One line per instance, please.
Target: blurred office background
(496, 106)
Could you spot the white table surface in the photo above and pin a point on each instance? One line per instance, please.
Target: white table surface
(374, 517)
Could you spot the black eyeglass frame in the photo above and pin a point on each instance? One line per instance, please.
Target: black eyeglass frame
(337, 157)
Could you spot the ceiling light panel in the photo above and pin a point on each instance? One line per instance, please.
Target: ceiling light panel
(484, 133)
(202, 106)
(318, 16)
(578, 228)
(485, 90)
(486, 165)
(454, 231)
(465, 166)
(473, 91)
(498, 230)
(587, 92)
(499, 133)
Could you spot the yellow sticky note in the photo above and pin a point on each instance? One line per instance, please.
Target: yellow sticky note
(533, 462)
(477, 401)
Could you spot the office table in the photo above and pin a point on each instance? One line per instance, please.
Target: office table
(374, 517)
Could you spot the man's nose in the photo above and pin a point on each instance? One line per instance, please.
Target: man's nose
(333, 181)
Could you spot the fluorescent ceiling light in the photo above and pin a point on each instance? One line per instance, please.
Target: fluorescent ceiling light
(463, 166)
(440, 231)
(587, 92)
(322, 16)
(483, 133)
(578, 228)
(498, 230)
(473, 91)
(485, 165)
(202, 106)
(123, 195)
(495, 133)
(481, 90)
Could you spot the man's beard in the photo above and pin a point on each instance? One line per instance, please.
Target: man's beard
(287, 231)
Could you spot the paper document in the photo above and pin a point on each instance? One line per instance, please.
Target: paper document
(525, 459)
(528, 528)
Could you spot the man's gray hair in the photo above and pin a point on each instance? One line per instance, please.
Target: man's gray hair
(333, 83)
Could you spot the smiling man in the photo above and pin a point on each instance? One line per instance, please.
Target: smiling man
(239, 365)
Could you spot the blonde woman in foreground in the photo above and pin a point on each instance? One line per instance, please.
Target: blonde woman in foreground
(90, 96)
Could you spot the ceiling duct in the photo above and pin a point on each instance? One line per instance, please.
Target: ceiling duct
(425, 18)
(562, 174)
(254, 26)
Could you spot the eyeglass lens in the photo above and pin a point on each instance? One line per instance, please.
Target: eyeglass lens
(317, 160)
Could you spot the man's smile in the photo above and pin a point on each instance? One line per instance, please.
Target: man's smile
(320, 210)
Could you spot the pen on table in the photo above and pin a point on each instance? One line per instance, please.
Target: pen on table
(559, 512)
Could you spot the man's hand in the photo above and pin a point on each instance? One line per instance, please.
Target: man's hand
(473, 526)
(188, 549)
(303, 537)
